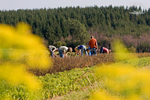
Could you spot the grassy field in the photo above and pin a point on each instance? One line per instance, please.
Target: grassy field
(85, 93)
(76, 83)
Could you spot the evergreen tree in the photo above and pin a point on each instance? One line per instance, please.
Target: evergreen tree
(78, 31)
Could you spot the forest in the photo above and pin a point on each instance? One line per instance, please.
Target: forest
(72, 26)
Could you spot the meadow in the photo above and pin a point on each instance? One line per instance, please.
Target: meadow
(27, 72)
(69, 76)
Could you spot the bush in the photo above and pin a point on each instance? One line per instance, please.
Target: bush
(60, 43)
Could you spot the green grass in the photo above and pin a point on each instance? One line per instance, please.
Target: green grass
(138, 62)
(64, 82)
(84, 93)
(76, 84)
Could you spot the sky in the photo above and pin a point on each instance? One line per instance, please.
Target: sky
(38, 4)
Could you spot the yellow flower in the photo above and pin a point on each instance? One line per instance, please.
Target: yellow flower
(122, 81)
(20, 47)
